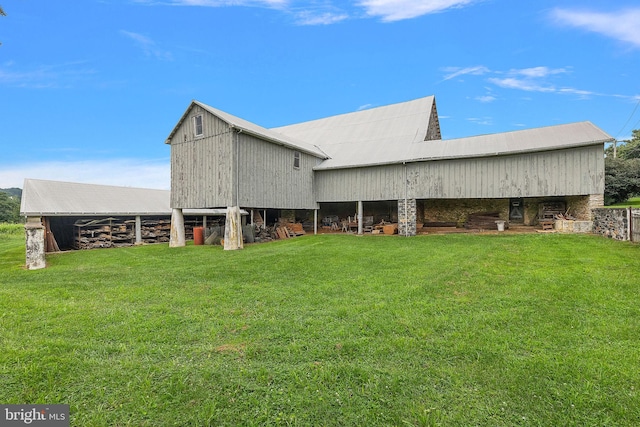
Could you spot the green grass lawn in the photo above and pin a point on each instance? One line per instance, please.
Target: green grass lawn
(329, 330)
(633, 202)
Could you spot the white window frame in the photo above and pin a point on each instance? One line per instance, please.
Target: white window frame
(195, 125)
(296, 160)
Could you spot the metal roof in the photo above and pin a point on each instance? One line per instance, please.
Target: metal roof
(56, 198)
(389, 151)
(381, 126)
(253, 129)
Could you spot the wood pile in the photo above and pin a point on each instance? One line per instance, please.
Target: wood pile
(115, 232)
(154, 231)
(484, 221)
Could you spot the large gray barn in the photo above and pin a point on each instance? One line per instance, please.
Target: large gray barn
(388, 163)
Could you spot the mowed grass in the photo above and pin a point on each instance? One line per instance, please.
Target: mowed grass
(329, 330)
(633, 202)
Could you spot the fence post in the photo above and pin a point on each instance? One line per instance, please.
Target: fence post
(630, 223)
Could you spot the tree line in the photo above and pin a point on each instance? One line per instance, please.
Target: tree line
(10, 205)
(622, 170)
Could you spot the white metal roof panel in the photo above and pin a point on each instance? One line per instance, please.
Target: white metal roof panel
(406, 121)
(397, 151)
(57, 198)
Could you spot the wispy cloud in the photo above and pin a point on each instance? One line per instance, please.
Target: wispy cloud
(148, 46)
(122, 172)
(484, 121)
(454, 72)
(486, 98)
(216, 3)
(533, 79)
(47, 76)
(621, 25)
(397, 10)
(311, 13)
(314, 17)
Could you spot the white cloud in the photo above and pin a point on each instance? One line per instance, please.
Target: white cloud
(454, 72)
(486, 98)
(535, 72)
(147, 45)
(121, 172)
(309, 17)
(484, 121)
(521, 84)
(45, 76)
(621, 25)
(364, 107)
(397, 10)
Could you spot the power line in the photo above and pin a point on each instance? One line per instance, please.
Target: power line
(629, 119)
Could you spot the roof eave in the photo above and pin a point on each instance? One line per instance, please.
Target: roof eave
(469, 156)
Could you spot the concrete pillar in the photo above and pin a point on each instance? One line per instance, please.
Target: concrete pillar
(177, 236)
(360, 217)
(138, 230)
(315, 221)
(34, 234)
(233, 230)
(407, 217)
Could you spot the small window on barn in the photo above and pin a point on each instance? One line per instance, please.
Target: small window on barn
(296, 160)
(197, 124)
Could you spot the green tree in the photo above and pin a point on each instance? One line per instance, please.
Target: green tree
(9, 208)
(622, 174)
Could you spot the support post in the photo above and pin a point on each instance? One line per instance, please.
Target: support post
(407, 217)
(360, 217)
(34, 234)
(138, 230)
(177, 236)
(233, 230)
(315, 221)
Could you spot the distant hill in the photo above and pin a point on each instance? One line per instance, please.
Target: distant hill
(13, 191)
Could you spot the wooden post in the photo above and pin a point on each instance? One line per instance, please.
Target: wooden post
(233, 230)
(177, 237)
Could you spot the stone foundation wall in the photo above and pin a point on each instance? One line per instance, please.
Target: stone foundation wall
(457, 210)
(407, 217)
(612, 223)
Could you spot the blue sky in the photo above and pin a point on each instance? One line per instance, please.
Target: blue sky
(89, 92)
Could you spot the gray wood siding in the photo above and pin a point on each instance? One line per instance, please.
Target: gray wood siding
(202, 167)
(267, 178)
(578, 171)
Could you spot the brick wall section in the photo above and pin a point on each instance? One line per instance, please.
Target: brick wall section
(612, 223)
(407, 217)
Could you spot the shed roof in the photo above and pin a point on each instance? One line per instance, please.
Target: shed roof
(57, 198)
(366, 153)
(253, 129)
